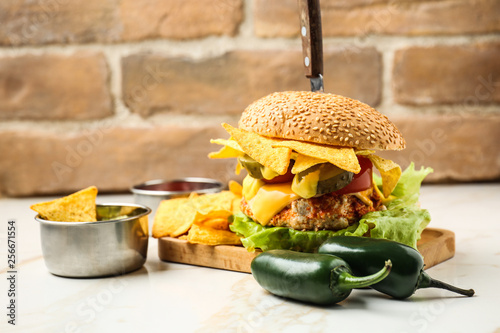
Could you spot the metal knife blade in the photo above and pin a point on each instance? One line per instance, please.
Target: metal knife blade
(312, 42)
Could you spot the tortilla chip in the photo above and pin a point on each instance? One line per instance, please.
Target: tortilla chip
(188, 210)
(209, 236)
(262, 149)
(174, 217)
(236, 205)
(235, 188)
(303, 162)
(344, 158)
(390, 172)
(364, 152)
(167, 219)
(213, 202)
(226, 152)
(238, 168)
(231, 143)
(77, 207)
(203, 218)
(215, 223)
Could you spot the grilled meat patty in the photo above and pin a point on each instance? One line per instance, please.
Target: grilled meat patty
(327, 212)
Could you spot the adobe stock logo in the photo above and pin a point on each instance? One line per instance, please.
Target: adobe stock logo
(437, 137)
(28, 26)
(138, 96)
(77, 152)
(89, 308)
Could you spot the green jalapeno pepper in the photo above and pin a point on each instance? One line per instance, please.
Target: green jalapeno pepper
(309, 277)
(364, 254)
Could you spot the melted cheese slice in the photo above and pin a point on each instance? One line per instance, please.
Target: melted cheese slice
(364, 196)
(381, 195)
(267, 200)
(250, 187)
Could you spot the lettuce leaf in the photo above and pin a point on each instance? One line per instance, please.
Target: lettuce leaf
(403, 221)
(268, 238)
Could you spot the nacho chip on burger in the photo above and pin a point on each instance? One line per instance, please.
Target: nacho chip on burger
(310, 159)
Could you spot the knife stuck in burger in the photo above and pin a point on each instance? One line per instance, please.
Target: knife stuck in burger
(310, 158)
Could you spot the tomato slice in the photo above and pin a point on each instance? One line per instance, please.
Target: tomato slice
(361, 181)
(287, 177)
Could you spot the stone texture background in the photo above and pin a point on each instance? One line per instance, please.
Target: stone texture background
(117, 92)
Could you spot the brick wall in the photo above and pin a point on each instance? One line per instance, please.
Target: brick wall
(116, 92)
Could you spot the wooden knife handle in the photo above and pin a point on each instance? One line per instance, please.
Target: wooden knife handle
(312, 40)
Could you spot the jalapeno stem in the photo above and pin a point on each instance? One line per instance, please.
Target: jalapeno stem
(347, 281)
(426, 281)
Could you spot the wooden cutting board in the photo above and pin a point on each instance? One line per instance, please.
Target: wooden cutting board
(436, 245)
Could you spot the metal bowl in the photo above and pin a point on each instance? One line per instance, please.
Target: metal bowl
(152, 192)
(115, 245)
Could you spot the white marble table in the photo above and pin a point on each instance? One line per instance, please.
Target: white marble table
(168, 297)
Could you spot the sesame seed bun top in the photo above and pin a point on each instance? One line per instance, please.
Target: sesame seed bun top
(321, 118)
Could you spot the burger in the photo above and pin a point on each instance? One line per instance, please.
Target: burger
(313, 171)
